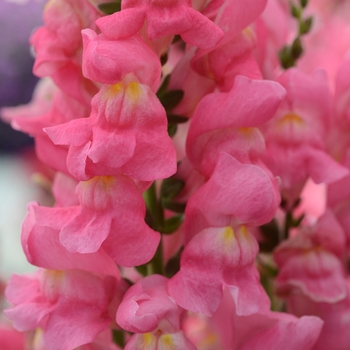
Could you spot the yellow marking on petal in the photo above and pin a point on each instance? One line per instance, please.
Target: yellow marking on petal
(291, 118)
(106, 181)
(249, 33)
(228, 234)
(210, 339)
(167, 340)
(148, 339)
(133, 91)
(244, 230)
(115, 89)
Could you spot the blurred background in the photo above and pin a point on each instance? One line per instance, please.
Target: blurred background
(18, 19)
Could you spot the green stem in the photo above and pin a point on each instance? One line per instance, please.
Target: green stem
(155, 209)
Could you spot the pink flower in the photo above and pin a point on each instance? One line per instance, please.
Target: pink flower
(109, 61)
(125, 134)
(149, 311)
(311, 262)
(110, 215)
(336, 317)
(227, 122)
(217, 257)
(162, 18)
(58, 46)
(235, 194)
(70, 306)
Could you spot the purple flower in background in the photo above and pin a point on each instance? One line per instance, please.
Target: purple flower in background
(17, 21)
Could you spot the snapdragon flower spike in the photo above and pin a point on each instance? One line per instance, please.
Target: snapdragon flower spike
(217, 257)
(149, 311)
(235, 192)
(110, 215)
(227, 122)
(125, 134)
(70, 306)
(109, 61)
(311, 262)
(162, 18)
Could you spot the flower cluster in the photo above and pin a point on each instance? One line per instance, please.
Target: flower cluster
(183, 136)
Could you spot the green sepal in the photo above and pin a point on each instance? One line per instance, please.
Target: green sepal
(172, 224)
(303, 3)
(296, 49)
(305, 26)
(164, 87)
(285, 58)
(118, 337)
(110, 7)
(172, 129)
(295, 11)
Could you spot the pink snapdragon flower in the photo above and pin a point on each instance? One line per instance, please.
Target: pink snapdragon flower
(125, 134)
(48, 298)
(311, 262)
(216, 230)
(336, 317)
(217, 257)
(110, 215)
(227, 122)
(149, 311)
(264, 331)
(108, 61)
(233, 54)
(161, 18)
(58, 46)
(235, 194)
(295, 137)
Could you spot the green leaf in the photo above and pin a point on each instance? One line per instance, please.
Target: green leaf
(172, 224)
(174, 206)
(170, 188)
(110, 7)
(171, 99)
(176, 119)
